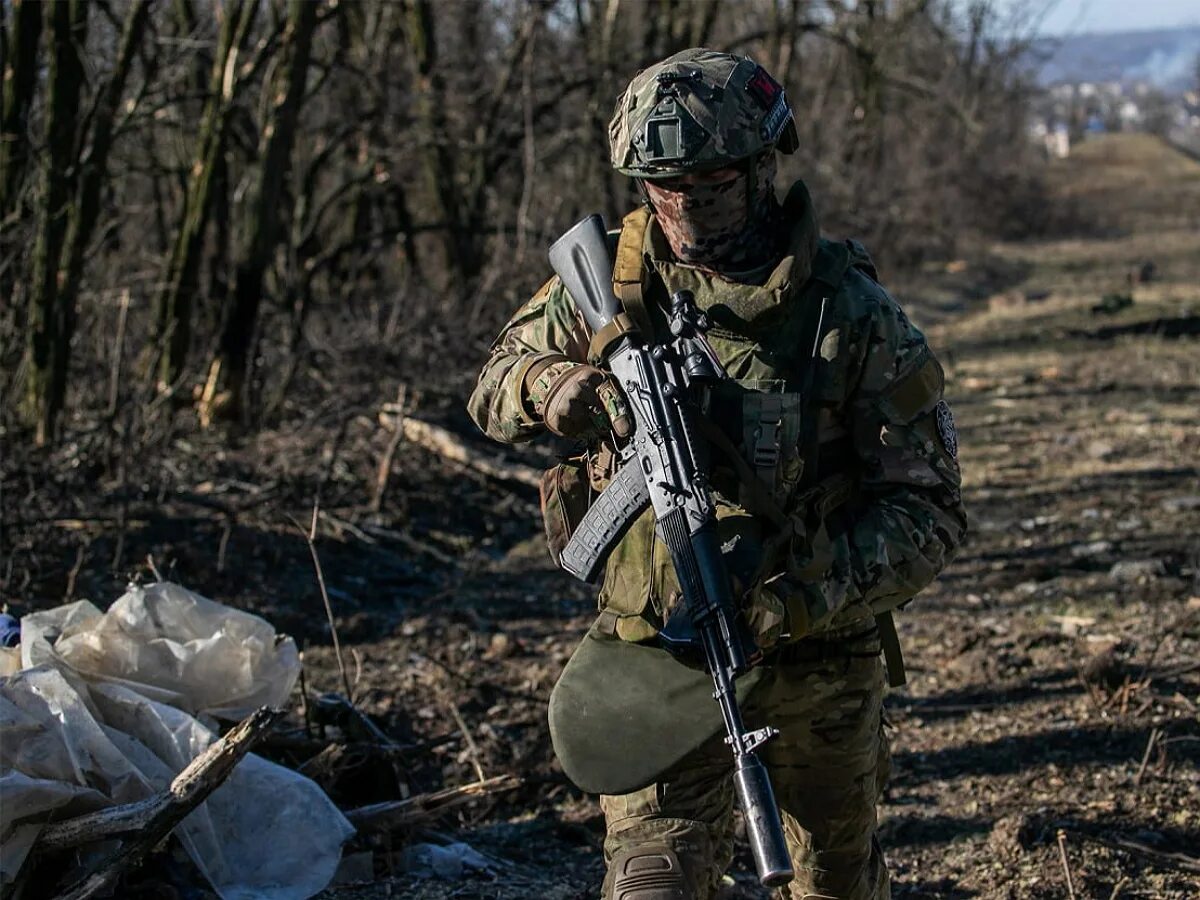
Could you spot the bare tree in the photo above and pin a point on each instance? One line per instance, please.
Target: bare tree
(460, 256)
(51, 321)
(260, 229)
(179, 282)
(91, 175)
(20, 79)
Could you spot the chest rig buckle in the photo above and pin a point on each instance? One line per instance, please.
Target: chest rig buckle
(763, 434)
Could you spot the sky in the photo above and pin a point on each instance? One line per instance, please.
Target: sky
(1076, 16)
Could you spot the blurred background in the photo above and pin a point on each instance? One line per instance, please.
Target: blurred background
(217, 197)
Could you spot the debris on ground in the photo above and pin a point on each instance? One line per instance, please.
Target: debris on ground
(109, 708)
(1113, 302)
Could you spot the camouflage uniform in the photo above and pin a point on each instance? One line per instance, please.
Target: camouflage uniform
(873, 409)
(828, 766)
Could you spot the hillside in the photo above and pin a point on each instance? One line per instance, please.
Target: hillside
(1165, 58)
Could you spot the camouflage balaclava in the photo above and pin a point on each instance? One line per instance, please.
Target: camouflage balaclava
(728, 226)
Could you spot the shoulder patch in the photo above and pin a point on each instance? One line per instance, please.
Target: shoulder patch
(919, 390)
(946, 430)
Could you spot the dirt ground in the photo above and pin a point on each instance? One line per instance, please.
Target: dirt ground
(1047, 744)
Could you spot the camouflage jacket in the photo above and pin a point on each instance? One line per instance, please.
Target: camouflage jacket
(873, 410)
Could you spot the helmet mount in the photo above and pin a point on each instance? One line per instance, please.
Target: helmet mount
(699, 110)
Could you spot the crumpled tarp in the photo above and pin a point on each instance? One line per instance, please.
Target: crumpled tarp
(108, 707)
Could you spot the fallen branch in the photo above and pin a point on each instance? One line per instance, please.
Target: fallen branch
(300, 747)
(154, 818)
(1164, 858)
(450, 446)
(399, 813)
(310, 537)
(1062, 852)
(384, 473)
(1155, 734)
(335, 709)
(472, 747)
(412, 543)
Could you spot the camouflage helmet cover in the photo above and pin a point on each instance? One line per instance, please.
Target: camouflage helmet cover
(699, 109)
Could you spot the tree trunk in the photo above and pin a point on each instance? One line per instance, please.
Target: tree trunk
(93, 170)
(179, 283)
(259, 237)
(49, 328)
(18, 68)
(462, 260)
(20, 82)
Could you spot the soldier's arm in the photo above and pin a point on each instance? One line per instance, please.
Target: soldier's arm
(544, 330)
(908, 518)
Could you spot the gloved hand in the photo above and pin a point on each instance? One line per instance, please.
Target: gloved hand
(579, 401)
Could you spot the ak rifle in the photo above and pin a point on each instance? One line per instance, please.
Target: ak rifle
(664, 464)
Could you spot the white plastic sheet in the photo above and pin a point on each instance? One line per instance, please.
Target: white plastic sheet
(171, 645)
(103, 714)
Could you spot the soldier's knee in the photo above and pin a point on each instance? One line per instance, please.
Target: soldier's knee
(664, 859)
(648, 872)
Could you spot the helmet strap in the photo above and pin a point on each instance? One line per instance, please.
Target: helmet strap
(645, 195)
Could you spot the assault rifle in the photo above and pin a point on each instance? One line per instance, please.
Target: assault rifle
(665, 464)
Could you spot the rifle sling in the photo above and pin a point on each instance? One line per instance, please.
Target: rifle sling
(629, 270)
(818, 501)
(889, 641)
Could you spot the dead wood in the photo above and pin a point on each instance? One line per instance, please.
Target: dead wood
(335, 709)
(412, 543)
(310, 537)
(399, 813)
(154, 818)
(450, 446)
(295, 745)
(384, 472)
(1164, 858)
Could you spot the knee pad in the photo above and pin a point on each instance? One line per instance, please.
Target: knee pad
(648, 872)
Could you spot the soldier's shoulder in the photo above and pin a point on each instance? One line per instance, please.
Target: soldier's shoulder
(847, 266)
(550, 296)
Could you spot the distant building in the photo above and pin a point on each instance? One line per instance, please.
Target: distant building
(1069, 112)
(1058, 141)
(1054, 138)
(1130, 115)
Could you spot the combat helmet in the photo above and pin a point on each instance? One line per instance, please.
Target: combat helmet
(699, 109)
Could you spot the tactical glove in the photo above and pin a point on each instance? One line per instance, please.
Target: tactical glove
(578, 401)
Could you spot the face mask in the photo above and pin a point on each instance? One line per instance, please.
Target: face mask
(709, 225)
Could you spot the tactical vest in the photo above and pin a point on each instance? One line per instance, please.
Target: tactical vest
(767, 337)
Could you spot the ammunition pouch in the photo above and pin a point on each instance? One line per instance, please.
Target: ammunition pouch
(565, 494)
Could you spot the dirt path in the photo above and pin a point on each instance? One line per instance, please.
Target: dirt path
(1067, 633)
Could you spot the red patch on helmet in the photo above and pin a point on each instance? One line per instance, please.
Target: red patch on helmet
(763, 88)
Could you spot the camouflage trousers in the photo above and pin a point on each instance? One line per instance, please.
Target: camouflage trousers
(828, 766)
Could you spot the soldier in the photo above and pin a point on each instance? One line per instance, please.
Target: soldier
(834, 408)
